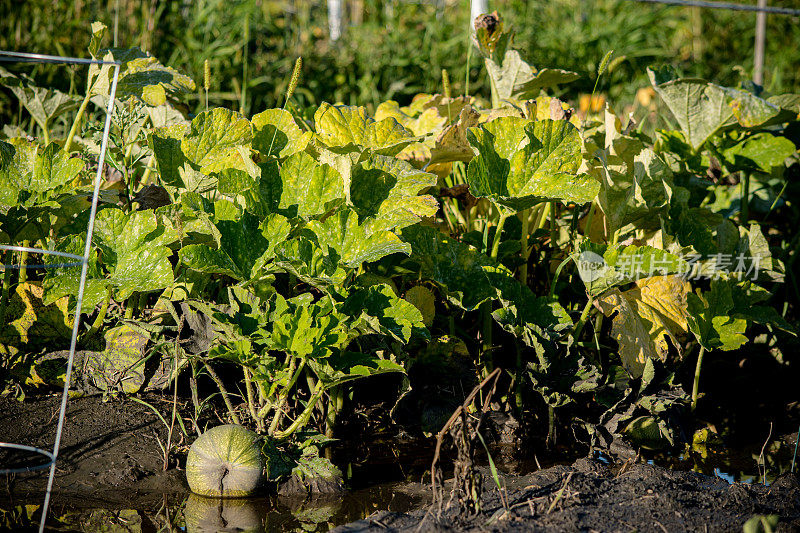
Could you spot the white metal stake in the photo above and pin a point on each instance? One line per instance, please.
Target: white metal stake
(477, 8)
(335, 19)
(24, 57)
(761, 34)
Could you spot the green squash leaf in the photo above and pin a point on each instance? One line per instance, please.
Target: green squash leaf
(517, 171)
(383, 312)
(710, 320)
(348, 128)
(134, 248)
(355, 243)
(245, 244)
(516, 78)
(275, 133)
(701, 108)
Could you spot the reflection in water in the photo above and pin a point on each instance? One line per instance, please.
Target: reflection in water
(204, 515)
(198, 514)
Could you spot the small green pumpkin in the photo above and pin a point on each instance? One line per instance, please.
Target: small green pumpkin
(226, 462)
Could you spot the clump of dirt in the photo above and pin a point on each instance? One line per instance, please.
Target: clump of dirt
(109, 450)
(589, 496)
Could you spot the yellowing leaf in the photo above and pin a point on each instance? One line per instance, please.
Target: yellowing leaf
(29, 321)
(451, 143)
(423, 299)
(646, 316)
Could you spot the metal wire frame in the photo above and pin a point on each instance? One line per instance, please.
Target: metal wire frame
(726, 5)
(23, 57)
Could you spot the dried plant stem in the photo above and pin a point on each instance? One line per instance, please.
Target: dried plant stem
(225, 397)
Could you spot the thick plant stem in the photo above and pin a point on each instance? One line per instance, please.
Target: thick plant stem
(225, 397)
(6, 286)
(518, 379)
(302, 420)
(553, 226)
(76, 123)
(696, 383)
(101, 316)
(497, 234)
(284, 395)
(248, 385)
(582, 320)
(744, 212)
(522, 274)
(130, 305)
(551, 426)
(23, 263)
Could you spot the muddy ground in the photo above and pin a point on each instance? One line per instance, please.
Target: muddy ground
(109, 450)
(110, 458)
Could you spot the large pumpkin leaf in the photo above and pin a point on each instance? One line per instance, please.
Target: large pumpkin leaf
(134, 250)
(61, 281)
(44, 105)
(121, 365)
(215, 139)
(355, 243)
(636, 184)
(517, 171)
(383, 312)
(165, 142)
(141, 76)
(348, 128)
(31, 175)
(245, 245)
(762, 151)
(646, 317)
(516, 78)
(602, 267)
(308, 189)
(275, 133)
(700, 108)
(31, 322)
(710, 320)
(750, 110)
(384, 190)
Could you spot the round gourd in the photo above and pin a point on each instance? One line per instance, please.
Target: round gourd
(226, 462)
(203, 515)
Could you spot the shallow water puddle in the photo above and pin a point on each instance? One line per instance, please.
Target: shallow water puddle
(196, 514)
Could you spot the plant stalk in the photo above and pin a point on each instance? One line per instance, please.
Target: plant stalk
(582, 320)
(522, 274)
(225, 397)
(696, 383)
(302, 420)
(23, 263)
(75, 123)
(6, 286)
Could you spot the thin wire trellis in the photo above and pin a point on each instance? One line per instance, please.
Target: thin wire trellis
(83, 261)
(726, 5)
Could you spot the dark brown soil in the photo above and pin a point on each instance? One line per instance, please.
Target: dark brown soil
(109, 450)
(588, 496)
(110, 459)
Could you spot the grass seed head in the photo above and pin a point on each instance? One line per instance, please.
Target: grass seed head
(206, 75)
(604, 63)
(446, 83)
(298, 65)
